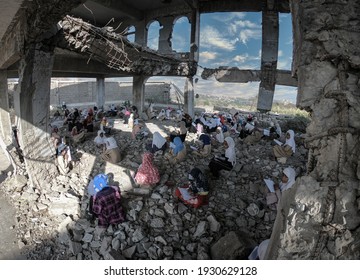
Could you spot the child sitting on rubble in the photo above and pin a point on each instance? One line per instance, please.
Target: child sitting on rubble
(112, 153)
(254, 134)
(138, 132)
(195, 192)
(158, 143)
(63, 159)
(105, 201)
(161, 115)
(284, 151)
(105, 125)
(77, 136)
(177, 151)
(225, 162)
(205, 150)
(273, 194)
(218, 138)
(147, 174)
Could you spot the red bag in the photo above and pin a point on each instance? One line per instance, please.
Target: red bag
(196, 201)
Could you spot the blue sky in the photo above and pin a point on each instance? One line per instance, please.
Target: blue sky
(229, 39)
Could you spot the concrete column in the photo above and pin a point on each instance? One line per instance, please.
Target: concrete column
(195, 35)
(139, 92)
(5, 124)
(189, 96)
(100, 92)
(33, 110)
(141, 34)
(269, 57)
(166, 34)
(318, 218)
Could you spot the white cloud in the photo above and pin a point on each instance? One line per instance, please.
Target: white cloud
(241, 58)
(211, 37)
(206, 56)
(241, 24)
(247, 34)
(284, 63)
(280, 53)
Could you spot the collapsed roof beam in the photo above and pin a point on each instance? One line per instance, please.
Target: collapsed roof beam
(120, 6)
(115, 51)
(236, 75)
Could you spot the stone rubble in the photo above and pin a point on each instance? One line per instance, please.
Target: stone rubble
(52, 222)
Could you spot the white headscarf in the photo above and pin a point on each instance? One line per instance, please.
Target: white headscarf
(158, 140)
(290, 173)
(230, 151)
(110, 143)
(291, 140)
(98, 139)
(220, 136)
(162, 113)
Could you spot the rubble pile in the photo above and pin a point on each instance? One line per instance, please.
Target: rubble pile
(53, 223)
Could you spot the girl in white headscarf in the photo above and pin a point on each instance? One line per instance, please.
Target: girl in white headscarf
(227, 161)
(288, 179)
(287, 149)
(158, 143)
(100, 139)
(112, 152)
(219, 135)
(161, 115)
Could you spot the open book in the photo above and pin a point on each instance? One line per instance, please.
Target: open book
(278, 142)
(185, 194)
(249, 127)
(270, 184)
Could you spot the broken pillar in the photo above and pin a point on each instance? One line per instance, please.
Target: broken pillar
(195, 35)
(32, 108)
(269, 57)
(189, 96)
(100, 92)
(166, 35)
(319, 218)
(139, 92)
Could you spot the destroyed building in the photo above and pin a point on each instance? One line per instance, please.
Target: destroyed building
(44, 39)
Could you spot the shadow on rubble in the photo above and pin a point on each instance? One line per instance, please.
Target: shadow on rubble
(67, 242)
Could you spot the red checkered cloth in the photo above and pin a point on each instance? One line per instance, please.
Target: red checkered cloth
(107, 207)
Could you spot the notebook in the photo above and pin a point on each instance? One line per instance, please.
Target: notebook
(270, 184)
(185, 194)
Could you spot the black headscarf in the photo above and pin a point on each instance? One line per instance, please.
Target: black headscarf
(198, 182)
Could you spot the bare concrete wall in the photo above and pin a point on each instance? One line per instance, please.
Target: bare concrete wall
(85, 92)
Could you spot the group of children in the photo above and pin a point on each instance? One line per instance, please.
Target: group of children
(217, 130)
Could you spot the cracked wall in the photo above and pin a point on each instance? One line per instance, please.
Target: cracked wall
(320, 217)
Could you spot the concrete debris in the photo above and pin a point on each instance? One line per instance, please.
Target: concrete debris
(158, 226)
